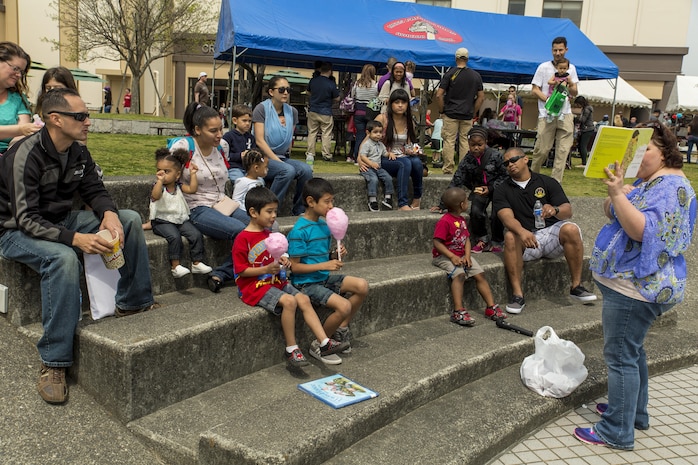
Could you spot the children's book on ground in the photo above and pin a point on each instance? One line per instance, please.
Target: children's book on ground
(626, 145)
(337, 390)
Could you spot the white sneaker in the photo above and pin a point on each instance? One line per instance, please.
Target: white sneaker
(201, 268)
(314, 352)
(180, 271)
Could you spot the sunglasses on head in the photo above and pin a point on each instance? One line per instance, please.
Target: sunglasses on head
(77, 116)
(284, 90)
(513, 160)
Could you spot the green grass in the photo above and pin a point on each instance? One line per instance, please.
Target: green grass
(128, 155)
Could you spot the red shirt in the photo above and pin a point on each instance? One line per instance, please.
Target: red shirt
(249, 250)
(127, 101)
(453, 232)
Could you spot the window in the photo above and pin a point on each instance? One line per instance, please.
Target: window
(444, 3)
(517, 7)
(570, 9)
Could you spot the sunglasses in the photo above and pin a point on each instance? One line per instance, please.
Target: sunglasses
(513, 160)
(76, 116)
(284, 90)
(15, 69)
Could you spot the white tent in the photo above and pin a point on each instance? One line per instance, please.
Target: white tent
(684, 95)
(595, 91)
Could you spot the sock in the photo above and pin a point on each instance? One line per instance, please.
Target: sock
(324, 342)
(290, 349)
(372, 199)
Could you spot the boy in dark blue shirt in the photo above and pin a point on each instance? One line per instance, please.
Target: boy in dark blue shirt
(240, 140)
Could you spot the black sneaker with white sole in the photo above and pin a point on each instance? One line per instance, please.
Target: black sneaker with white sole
(373, 206)
(581, 294)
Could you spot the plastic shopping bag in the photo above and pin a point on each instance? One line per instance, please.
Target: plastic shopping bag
(556, 368)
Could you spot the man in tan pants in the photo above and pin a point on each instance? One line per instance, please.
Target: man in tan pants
(559, 129)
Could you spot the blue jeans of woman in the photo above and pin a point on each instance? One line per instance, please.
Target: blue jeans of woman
(404, 168)
(692, 140)
(174, 232)
(360, 120)
(60, 270)
(478, 220)
(218, 226)
(625, 324)
(281, 173)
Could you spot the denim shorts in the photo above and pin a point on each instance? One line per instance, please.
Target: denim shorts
(320, 293)
(270, 301)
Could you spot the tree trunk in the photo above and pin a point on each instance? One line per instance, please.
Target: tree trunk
(135, 92)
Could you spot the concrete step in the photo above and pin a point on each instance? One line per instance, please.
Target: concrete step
(210, 339)
(475, 422)
(264, 418)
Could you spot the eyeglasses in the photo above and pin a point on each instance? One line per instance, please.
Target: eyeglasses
(15, 69)
(283, 90)
(78, 116)
(513, 160)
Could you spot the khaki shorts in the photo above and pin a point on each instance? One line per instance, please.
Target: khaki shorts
(445, 264)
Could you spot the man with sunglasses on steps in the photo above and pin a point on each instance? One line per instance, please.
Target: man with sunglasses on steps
(514, 202)
(39, 177)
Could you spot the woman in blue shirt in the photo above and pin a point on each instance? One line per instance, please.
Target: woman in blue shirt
(15, 117)
(639, 266)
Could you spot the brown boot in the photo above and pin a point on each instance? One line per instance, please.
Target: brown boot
(52, 386)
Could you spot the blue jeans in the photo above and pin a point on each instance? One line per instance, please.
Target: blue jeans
(625, 324)
(60, 269)
(218, 226)
(372, 176)
(691, 141)
(281, 173)
(174, 232)
(404, 168)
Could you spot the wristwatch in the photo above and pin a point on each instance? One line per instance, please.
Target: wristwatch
(557, 210)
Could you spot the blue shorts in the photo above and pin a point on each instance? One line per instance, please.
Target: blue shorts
(321, 292)
(270, 301)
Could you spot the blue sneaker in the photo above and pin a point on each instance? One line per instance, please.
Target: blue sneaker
(588, 436)
(601, 408)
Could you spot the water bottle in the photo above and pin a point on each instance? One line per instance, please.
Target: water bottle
(538, 214)
(282, 273)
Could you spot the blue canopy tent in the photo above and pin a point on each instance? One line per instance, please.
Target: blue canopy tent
(503, 48)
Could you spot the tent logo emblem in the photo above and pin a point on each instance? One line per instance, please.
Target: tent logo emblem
(418, 28)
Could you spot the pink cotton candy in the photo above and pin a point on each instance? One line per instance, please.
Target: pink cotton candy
(338, 222)
(277, 245)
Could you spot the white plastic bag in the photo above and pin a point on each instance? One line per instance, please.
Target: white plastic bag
(101, 286)
(556, 368)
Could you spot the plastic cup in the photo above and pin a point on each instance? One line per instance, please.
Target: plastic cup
(114, 259)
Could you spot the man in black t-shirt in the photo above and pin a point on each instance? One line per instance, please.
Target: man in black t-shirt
(459, 96)
(514, 202)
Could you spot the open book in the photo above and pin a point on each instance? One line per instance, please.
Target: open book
(625, 145)
(337, 391)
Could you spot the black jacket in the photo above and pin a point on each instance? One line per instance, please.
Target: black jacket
(489, 171)
(38, 185)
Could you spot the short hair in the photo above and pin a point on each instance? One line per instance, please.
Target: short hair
(517, 150)
(373, 124)
(259, 197)
(560, 40)
(316, 188)
(179, 157)
(239, 110)
(196, 115)
(563, 60)
(665, 140)
(453, 197)
(252, 157)
(56, 100)
(326, 67)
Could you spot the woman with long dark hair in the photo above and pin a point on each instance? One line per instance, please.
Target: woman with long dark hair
(15, 117)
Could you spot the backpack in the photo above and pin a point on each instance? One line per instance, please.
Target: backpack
(190, 140)
(510, 113)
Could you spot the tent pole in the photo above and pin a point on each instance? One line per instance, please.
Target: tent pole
(232, 84)
(615, 92)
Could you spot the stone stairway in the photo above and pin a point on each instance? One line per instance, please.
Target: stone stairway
(201, 380)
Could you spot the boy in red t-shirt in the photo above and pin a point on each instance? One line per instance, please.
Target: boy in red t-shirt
(451, 253)
(259, 283)
(127, 101)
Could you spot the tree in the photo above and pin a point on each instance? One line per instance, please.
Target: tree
(135, 31)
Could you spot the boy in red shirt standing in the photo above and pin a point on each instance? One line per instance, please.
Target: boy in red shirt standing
(127, 101)
(451, 253)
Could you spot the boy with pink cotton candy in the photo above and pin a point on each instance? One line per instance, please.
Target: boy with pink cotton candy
(258, 256)
(311, 259)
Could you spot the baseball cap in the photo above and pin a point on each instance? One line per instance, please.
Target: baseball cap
(462, 53)
(202, 73)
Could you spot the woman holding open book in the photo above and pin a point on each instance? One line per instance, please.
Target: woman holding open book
(638, 264)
